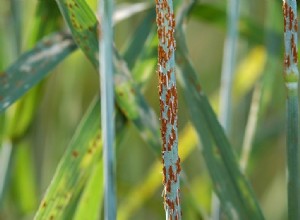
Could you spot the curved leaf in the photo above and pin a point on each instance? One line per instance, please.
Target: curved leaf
(33, 66)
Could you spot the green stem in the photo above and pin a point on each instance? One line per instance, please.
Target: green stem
(291, 76)
(250, 127)
(107, 105)
(228, 65)
(293, 157)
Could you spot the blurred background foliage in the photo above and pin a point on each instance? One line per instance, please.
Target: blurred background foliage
(40, 125)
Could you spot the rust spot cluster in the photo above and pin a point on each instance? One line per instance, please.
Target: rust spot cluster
(166, 25)
(294, 49)
(290, 20)
(290, 29)
(175, 214)
(170, 100)
(95, 144)
(168, 107)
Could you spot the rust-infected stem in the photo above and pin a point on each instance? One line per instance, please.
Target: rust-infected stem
(168, 107)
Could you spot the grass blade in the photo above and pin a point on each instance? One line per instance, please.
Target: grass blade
(228, 64)
(227, 73)
(91, 198)
(137, 41)
(77, 183)
(83, 150)
(5, 162)
(230, 184)
(83, 25)
(33, 66)
(107, 105)
(291, 77)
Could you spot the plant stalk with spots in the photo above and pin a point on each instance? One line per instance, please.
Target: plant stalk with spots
(291, 76)
(168, 107)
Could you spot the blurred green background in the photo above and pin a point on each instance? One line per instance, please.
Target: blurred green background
(59, 102)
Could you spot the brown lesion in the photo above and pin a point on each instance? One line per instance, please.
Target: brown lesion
(178, 167)
(294, 49)
(164, 174)
(287, 61)
(296, 25)
(75, 153)
(291, 18)
(44, 205)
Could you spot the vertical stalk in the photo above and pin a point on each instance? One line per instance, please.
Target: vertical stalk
(228, 65)
(250, 127)
(168, 107)
(107, 105)
(6, 154)
(291, 76)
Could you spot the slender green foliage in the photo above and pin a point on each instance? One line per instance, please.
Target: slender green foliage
(80, 177)
(250, 127)
(228, 64)
(230, 184)
(83, 24)
(32, 66)
(291, 77)
(107, 104)
(5, 162)
(227, 73)
(84, 148)
(90, 204)
(76, 191)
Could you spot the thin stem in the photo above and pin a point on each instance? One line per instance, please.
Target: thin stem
(291, 76)
(168, 107)
(5, 162)
(229, 57)
(107, 105)
(250, 127)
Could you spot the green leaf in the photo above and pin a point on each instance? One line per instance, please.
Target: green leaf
(33, 66)
(137, 40)
(23, 174)
(78, 182)
(74, 167)
(230, 184)
(83, 25)
(106, 74)
(91, 199)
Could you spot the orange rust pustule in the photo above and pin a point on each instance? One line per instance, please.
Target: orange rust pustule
(164, 175)
(168, 186)
(291, 18)
(294, 49)
(171, 173)
(285, 8)
(287, 61)
(178, 167)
